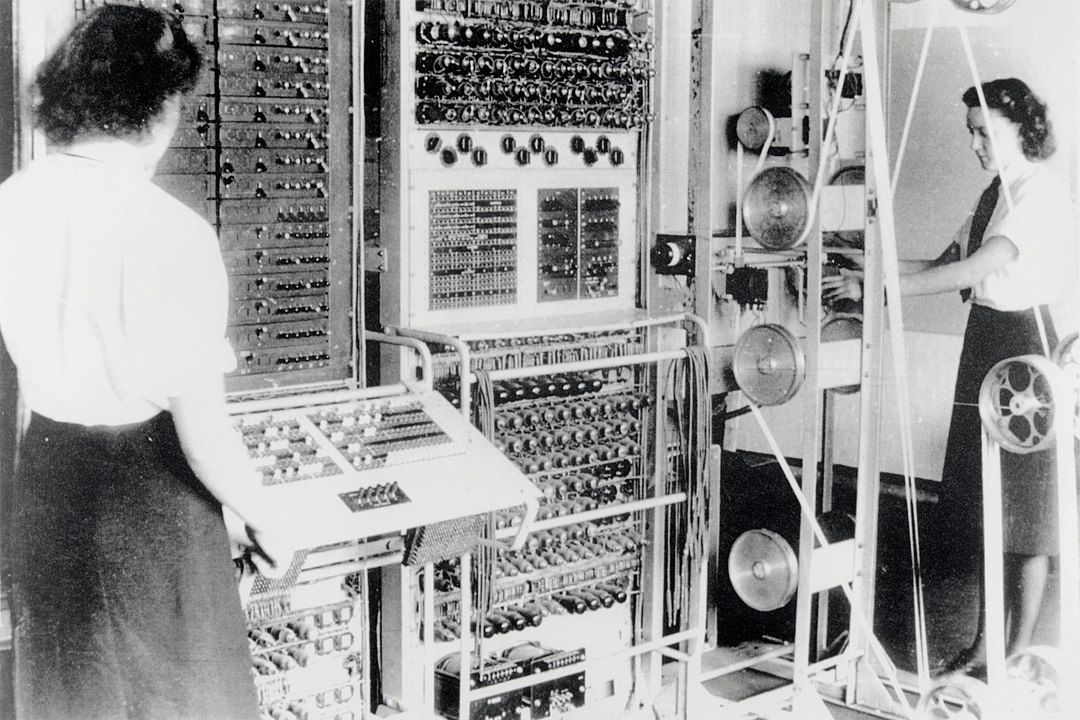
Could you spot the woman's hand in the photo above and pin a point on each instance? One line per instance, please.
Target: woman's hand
(270, 553)
(845, 286)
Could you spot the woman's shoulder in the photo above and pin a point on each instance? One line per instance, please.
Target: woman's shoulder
(1042, 190)
(174, 219)
(1041, 179)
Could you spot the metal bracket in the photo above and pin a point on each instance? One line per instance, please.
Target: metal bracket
(375, 259)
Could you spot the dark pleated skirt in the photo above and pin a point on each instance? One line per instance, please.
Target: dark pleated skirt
(123, 590)
(1029, 489)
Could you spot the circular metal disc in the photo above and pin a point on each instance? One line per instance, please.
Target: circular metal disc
(768, 364)
(955, 697)
(753, 127)
(843, 327)
(776, 207)
(1017, 401)
(763, 569)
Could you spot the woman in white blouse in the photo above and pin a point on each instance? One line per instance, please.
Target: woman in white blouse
(113, 303)
(1007, 262)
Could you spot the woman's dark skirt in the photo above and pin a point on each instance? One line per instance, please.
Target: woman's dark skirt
(124, 596)
(1029, 484)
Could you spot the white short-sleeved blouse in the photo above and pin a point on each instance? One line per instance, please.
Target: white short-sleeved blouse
(113, 295)
(1039, 226)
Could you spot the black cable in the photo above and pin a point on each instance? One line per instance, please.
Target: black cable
(737, 412)
(844, 32)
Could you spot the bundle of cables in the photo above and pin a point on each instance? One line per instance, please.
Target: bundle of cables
(693, 432)
(486, 553)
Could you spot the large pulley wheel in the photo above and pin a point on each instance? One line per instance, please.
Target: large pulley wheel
(1034, 676)
(1017, 402)
(1067, 357)
(955, 697)
(768, 364)
(763, 569)
(776, 207)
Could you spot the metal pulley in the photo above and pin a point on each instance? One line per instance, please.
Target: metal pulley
(754, 126)
(763, 569)
(1017, 402)
(956, 697)
(776, 207)
(1067, 357)
(768, 364)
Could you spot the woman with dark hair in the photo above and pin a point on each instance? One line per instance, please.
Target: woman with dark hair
(113, 304)
(1006, 261)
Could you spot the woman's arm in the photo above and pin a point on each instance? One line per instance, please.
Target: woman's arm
(949, 255)
(932, 276)
(950, 276)
(216, 454)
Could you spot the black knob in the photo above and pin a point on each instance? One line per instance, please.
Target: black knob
(551, 156)
(577, 145)
(464, 143)
(479, 157)
(536, 143)
(522, 156)
(432, 143)
(448, 156)
(603, 144)
(508, 144)
(589, 156)
(617, 157)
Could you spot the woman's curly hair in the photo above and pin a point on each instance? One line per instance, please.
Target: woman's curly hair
(113, 73)
(1018, 104)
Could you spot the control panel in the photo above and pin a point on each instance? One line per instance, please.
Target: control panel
(554, 97)
(339, 466)
(264, 154)
(521, 248)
